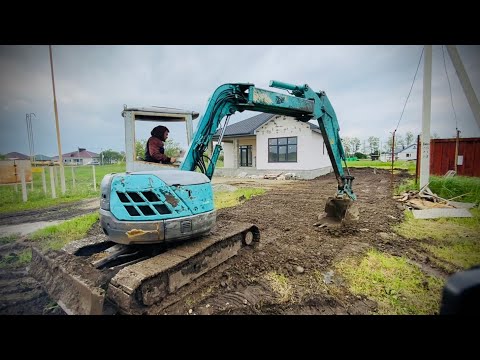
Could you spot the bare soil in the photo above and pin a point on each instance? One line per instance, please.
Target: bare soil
(293, 249)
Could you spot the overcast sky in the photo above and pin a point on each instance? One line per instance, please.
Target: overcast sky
(367, 86)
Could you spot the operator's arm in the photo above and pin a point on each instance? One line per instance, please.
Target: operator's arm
(154, 146)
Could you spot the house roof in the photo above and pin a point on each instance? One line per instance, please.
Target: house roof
(248, 126)
(16, 155)
(41, 157)
(84, 154)
(404, 149)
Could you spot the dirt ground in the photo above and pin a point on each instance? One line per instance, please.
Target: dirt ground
(294, 252)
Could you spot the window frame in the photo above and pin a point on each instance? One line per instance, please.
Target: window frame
(278, 146)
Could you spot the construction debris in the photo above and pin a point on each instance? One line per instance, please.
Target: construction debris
(427, 205)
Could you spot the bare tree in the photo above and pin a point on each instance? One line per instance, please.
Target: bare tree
(355, 145)
(347, 145)
(409, 138)
(374, 142)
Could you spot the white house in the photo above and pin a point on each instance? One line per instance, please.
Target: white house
(404, 153)
(80, 157)
(274, 144)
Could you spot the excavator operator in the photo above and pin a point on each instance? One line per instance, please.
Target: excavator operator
(155, 148)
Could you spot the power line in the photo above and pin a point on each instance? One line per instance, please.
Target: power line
(449, 88)
(413, 82)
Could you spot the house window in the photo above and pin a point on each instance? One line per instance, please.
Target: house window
(282, 149)
(408, 155)
(246, 155)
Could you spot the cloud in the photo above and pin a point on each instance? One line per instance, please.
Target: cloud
(367, 85)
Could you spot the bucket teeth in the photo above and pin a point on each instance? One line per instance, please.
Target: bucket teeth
(341, 209)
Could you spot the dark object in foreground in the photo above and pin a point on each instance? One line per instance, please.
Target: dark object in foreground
(461, 294)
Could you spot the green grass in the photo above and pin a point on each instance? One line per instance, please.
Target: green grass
(14, 260)
(406, 186)
(56, 236)
(462, 253)
(225, 199)
(398, 287)
(448, 188)
(440, 229)
(399, 164)
(457, 239)
(281, 285)
(8, 239)
(12, 200)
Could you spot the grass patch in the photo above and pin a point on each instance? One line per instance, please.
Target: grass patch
(448, 188)
(57, 236)
(280, 285)
(399, 164)
(37, 199)
(224, 199)
(397, 286)
(8, 239)
(405, 186)
(462, 253)
(440, 229)
(14, 260)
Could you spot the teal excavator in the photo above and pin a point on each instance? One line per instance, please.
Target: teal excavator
(161, 226)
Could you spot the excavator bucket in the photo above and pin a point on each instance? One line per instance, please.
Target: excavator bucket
(339, 210)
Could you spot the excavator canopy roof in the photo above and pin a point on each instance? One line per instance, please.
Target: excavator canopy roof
(161, 113)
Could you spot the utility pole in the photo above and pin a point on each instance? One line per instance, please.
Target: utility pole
(465, 82)
(426, 115)
(31, 145)
(60, 157)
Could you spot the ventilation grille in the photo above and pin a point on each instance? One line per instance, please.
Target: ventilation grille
(144, 203)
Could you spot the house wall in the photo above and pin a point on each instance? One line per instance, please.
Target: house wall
(230, 160)
(78, 161)
(311, 153)
(411, 152)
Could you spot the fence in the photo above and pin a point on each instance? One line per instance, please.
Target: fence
(80, 182)
(442, 156)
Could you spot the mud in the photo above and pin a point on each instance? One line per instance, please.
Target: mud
(293, 248)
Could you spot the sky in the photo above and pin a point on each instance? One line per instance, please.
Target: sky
(368, 87)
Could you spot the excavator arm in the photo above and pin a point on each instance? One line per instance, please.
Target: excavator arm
(304, 104)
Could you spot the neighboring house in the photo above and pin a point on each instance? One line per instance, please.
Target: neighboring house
(274, 144)
(80, 157)
(41, 157)
(403, 153)
(16, 156)
(43, 160)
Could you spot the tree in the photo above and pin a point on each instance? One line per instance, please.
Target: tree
(409, 138)
(140, 149)
(399, 141)
(109, 156)
(2, 157)
(347, 145)
(374, 142)
(172, 148)
(360, 155)
(355, 144)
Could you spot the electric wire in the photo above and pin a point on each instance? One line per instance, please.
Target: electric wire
(413, 82)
